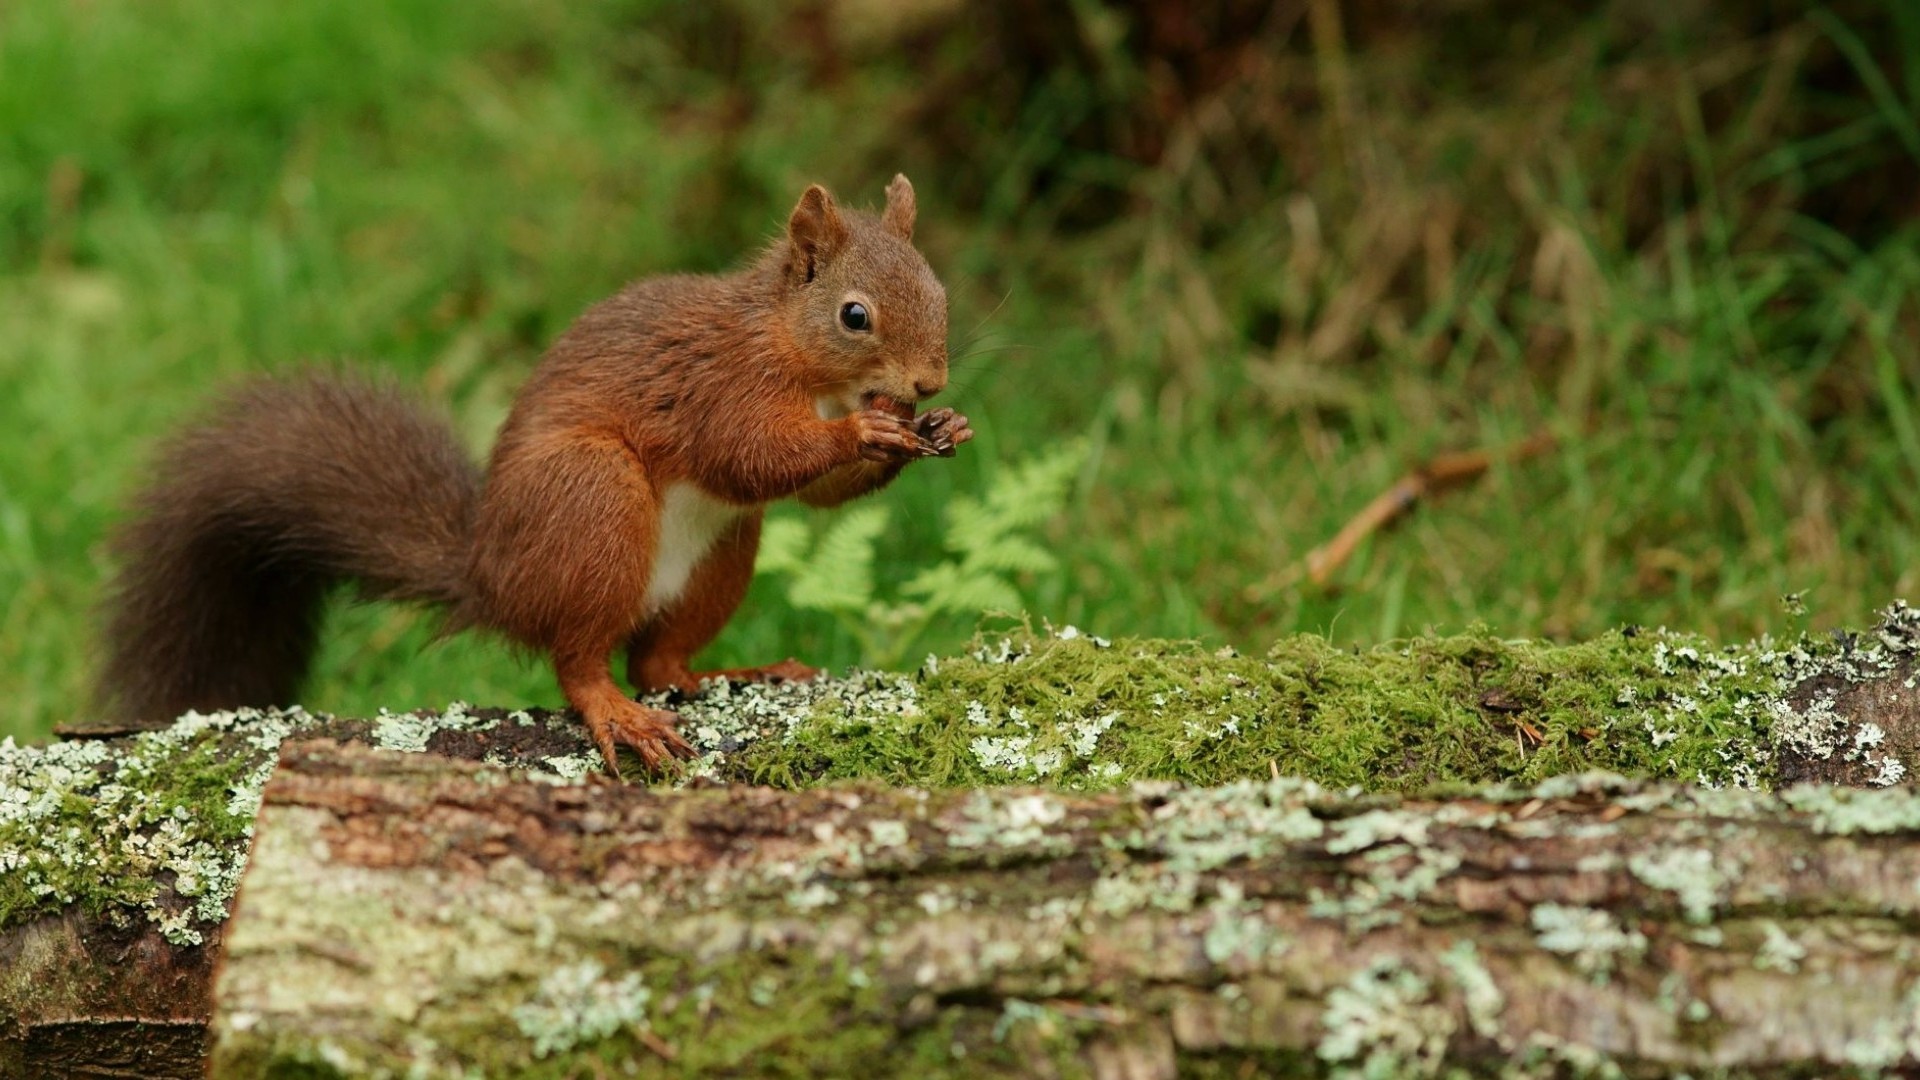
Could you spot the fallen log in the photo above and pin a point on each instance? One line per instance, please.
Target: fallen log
(119, 857)
(90, 997)
(118, 860)
(420, 917)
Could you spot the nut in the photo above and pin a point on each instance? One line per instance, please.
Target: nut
(885, 404)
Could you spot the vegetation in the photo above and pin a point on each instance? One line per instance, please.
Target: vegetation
(1263, 258)
(986, 538)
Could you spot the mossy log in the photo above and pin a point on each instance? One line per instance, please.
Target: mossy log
(118, 857)
(409, 916)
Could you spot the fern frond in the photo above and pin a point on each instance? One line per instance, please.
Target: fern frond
(839, 576)
(1024, 496)
(1010, 555)
(988, 539)
(948, 588)
(783, 546)
(1037, 487)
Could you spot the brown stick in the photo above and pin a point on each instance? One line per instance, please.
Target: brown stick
(1443, 473)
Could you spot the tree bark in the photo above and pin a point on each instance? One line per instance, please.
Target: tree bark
(118, 859)
(93, 987)
(405, 915)
(94, 999)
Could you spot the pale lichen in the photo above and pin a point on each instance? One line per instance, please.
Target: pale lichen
(1778, 950)
(1383, 1022)
(1479, 993)
(1692, 875)
(577, 1003)
(572, 768)
(1020, 822)
(1239, 937)
(411, 731)
(1546, 1054)
(1365, 830)
(1846, 811)
(1593, 939)
(107, 828)
(1204, 828)
(1015, 1012)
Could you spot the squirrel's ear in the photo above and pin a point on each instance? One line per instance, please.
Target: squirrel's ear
(814, 233)
(900, 207)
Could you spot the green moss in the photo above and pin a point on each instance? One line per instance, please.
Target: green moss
(1434, 713)
(152, 829)
(156, 827)
(1416, 715)
(809, 1021)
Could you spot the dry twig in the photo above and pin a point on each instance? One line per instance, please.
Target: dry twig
(1441, 474)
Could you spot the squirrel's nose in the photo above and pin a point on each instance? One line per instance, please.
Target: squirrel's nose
(926, 388)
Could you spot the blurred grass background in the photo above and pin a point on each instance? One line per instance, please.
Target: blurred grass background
(1266, 256)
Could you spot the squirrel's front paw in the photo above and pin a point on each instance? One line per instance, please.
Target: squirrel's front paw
(942, 430)
(886, 437)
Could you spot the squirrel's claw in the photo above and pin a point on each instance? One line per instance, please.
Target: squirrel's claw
(942, 431)
(886, 437)
(649, 732)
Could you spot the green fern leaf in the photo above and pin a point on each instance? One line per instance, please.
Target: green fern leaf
(783, 546)
(1011, 555)
(988, 539)
(948, 588)
(1037, 487)
(839, 576)
(1024, 496)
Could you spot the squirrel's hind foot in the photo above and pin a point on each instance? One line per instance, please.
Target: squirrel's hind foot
(788, 670)
(658, 677)
(649, 732)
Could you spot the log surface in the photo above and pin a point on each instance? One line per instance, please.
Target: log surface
(106, 844)
(404, 913)
(95, 999)
(118, 981)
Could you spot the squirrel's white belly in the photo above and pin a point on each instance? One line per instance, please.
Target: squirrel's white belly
(690, 521)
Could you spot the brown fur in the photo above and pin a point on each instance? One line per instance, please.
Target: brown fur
(714, 382)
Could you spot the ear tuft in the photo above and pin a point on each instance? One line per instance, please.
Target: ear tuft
(815, 232)
(898, 217)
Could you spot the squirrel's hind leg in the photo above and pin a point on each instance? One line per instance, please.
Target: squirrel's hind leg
(564, 550)
(660, 654)
(613, 719)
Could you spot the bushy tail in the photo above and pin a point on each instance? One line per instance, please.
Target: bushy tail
(288, 487)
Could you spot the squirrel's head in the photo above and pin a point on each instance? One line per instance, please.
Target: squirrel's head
(864, 306)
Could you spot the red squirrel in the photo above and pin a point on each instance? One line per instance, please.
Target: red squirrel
(621, 508)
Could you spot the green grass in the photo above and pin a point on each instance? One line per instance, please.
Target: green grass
(1688, 248)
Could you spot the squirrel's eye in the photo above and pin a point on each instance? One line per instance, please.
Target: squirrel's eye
(853, 316)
